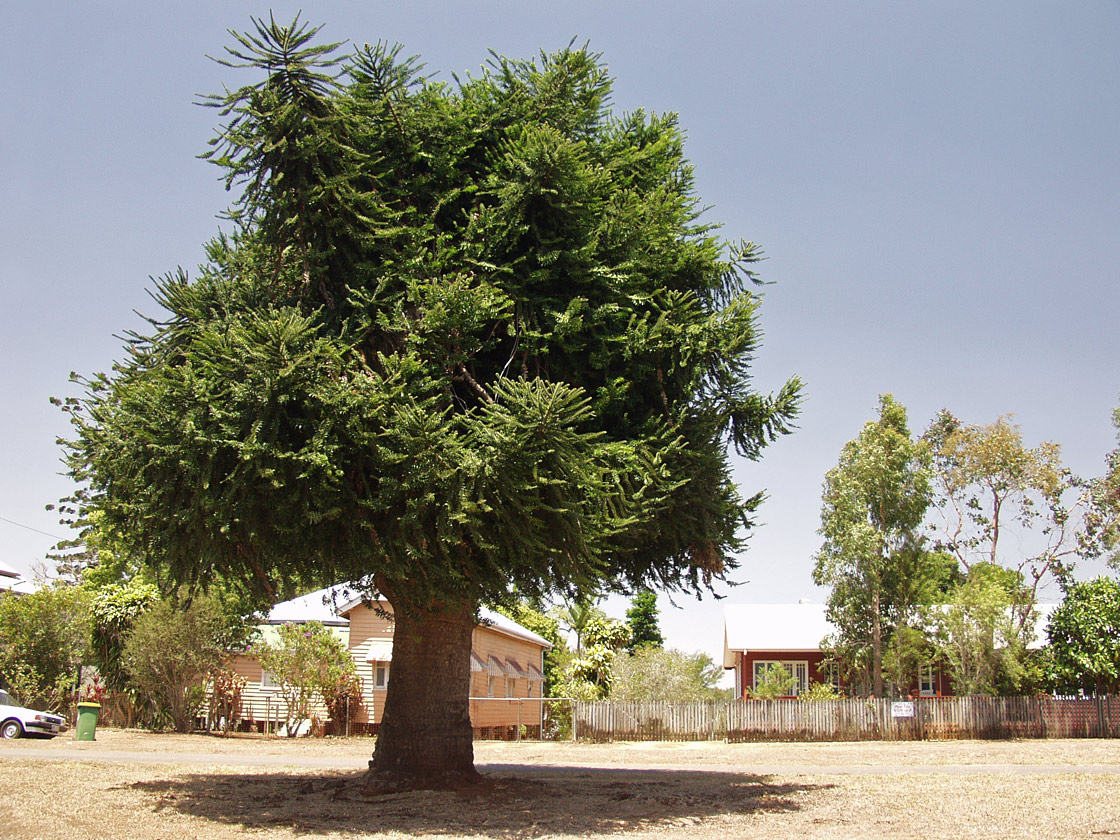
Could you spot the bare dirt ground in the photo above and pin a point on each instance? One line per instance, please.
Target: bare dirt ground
(145, 786)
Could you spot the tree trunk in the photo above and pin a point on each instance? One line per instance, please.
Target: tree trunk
(425, 739)
(876, 644)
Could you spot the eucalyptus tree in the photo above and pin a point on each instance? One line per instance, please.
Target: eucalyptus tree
(465, 343)
(1001, 502)
(1101, 534)
(873, 503)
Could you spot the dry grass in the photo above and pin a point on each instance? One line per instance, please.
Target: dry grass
(697, 791)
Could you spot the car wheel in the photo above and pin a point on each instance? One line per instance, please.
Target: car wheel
(11, 729)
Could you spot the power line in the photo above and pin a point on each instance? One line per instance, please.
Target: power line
(29, 528)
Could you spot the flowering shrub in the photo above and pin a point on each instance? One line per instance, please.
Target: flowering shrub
(226, 687)
(343, 699)
(93, 691)
(309, 663)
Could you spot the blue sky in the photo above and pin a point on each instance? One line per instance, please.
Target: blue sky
(936, 187)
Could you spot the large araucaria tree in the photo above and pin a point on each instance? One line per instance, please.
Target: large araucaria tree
(462, 343)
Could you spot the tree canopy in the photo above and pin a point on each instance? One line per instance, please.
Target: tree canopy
(464, 342)
(874, 501)
(641, 618)
(1084, 636)
(994, 492)
(44, 637)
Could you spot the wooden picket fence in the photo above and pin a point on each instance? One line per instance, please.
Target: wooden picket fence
(849, 719)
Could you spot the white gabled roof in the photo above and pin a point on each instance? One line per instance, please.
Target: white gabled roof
(13, 581)
(780, 627)
(499, 622)
(320, 605)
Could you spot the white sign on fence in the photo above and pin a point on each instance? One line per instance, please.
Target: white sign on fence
(902, 710)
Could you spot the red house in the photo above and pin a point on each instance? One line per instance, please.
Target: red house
(758, 636)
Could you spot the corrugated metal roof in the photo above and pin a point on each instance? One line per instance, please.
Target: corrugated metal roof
(784, 627)
(320, 605)
(499, 622)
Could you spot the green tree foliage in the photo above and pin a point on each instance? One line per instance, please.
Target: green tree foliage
(44, 637)
(874, 502)
(171, 650)
(1101, 535)
(908, 651)
(819, 691)
(114, 608)
(654, 673)
(588, 675)
(467, 342)
(777, 682)
(575, 615)
(981, 635)
(641, 618)
(310, 663)
(1002, 503)
(1084, 637)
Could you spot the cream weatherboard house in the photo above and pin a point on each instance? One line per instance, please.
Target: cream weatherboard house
(507, 679)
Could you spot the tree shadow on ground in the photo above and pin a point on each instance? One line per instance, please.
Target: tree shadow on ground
(516, 802)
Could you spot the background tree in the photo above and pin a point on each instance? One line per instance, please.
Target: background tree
(917, 580)
(641, 619)
(1002, 503)
(575, 615)
(226, 688)
(981, 634)
(1084, 637)
(44, 638)
(651, 673)
(466, 343)
(170, 651)
(874, 501)
(310, 663)
(1101, 534)
(588, 676)
(777, 681)
(114, 609)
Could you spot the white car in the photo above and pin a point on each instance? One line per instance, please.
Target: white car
(16, 721)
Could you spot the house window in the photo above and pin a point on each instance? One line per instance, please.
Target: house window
(798, 670)
(381, 677)
(510, 685)
(268, 680)
(927, 682)
(490, 680)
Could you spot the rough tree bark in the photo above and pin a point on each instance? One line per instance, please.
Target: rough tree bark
(425, 738)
